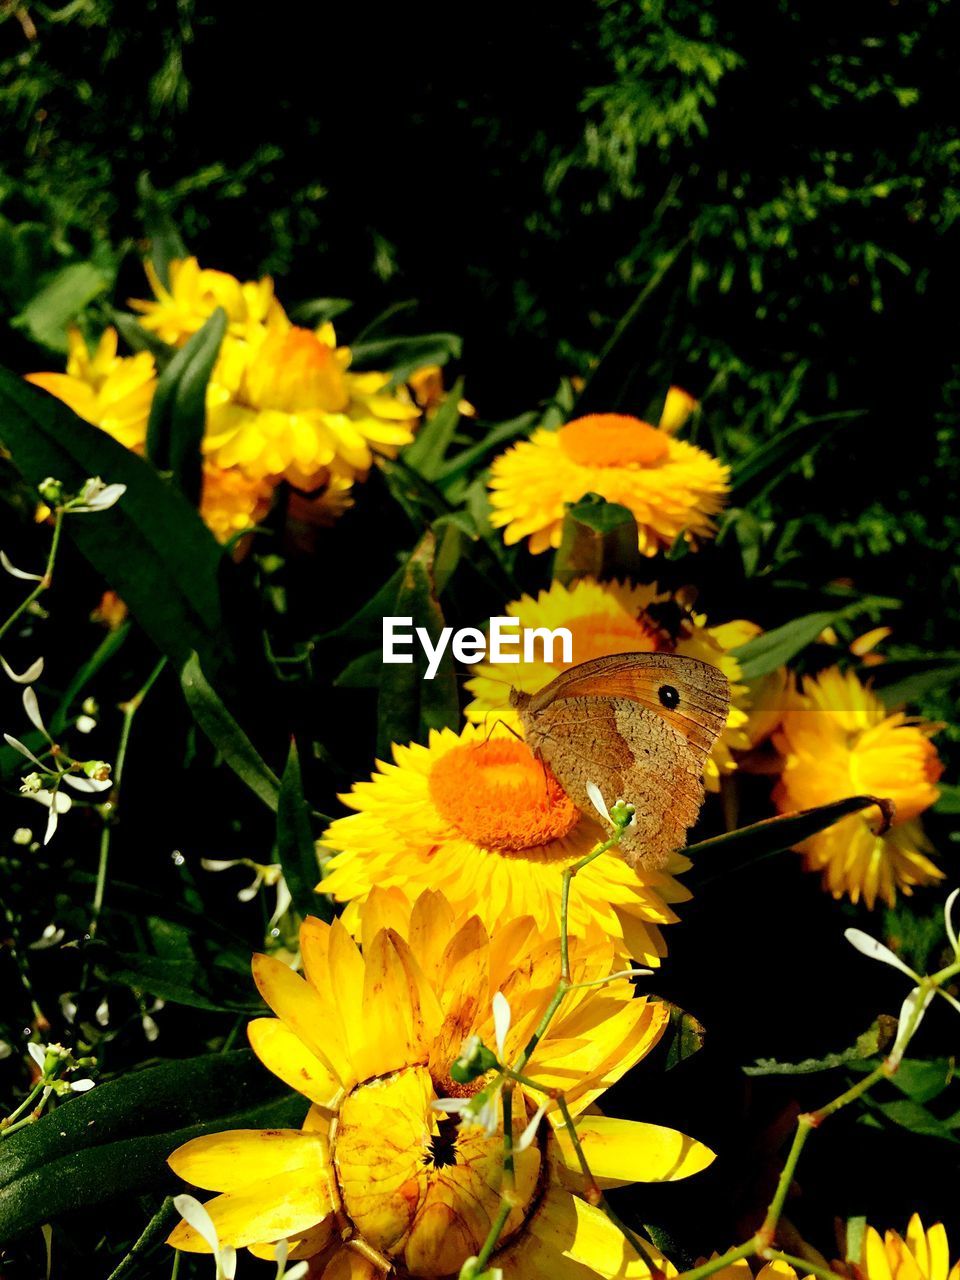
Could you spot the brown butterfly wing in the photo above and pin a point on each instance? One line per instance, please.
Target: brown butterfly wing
(606, 722)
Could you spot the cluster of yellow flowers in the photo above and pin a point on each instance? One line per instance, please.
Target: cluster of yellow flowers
(282, 402)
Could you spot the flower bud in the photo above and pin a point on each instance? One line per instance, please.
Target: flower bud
(475, 1060)
(51, 491)
(621, 814)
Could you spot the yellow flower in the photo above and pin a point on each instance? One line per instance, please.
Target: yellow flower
(286, 405)
(923, 1255)
(489, 825)
(194, 294)
(613, 617)
(428, 390)
(677, 409)
(110, 391)
(232, 501)
(378, 1177)
(671, 486)
(837, 740)
(741, 1270)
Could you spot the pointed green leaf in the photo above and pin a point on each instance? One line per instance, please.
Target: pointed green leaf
(226, 735)
(296, 848)
(434, 437)
(151, 546)
(775, 648)
(178, 413)
(599, 539)
(115, 1140)
(773, 835)
(49, 313)
(166, 244)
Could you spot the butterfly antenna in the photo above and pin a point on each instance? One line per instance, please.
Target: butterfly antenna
(503, 724)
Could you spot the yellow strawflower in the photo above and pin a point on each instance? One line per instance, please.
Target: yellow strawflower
(489, 825)
(671, 486)
(109, 391)
(287, 406)
(837, 740)
(616, 617)
(919, 1255)
(379, 1178)
(194, 294)
(231, 501)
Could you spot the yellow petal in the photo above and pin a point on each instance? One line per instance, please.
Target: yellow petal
(875, 1262)
(622, 1151)
(291, 1061)
(938, 1266)
(240, 1158)
(349, 1265)
(302, 1246)
(384, 909)
(297, 1004)
(567, 1236)
(285, 1206)
(387, 1012)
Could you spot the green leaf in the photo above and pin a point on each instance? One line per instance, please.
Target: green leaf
(226, 735)
(166, 245)
(599, 539)
(138, 338)
(115, 1140)
(295, 843)
(151, 547)
(913, 687)
(364, 672)
(763, 468)
(684, 1035)
(773, 835)
(949, 801)
(49, 313)
(402, 356)
(772, 649)
(210, 982)
(876, 1039)
(317, 311)
(617, 383)
(410, 705)
(178, 413)
(493, 437)
(428, 450)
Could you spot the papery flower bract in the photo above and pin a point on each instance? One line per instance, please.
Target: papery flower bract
(917, 1255)
(110, 391)
(289, 407)
(838, 740)
(490, 826)
(369, 1038)
(194, 294)
(232, 501)
(605, 618)
(671, 486)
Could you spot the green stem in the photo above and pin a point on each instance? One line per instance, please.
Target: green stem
(801, 1264)
(156, 1228)
(33, 1116)
(130, 710)
(24, 1105)
(717, 1264)
(767, 1232)
(44, 582)
(593, 1192)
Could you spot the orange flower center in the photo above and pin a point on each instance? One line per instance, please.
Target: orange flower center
(295, 371)
(597, 635)
(497, 794)
(613, 440)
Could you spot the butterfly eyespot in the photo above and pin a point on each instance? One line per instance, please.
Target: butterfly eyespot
(669, 696)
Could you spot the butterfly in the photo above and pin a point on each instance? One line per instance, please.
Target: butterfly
(638, 725)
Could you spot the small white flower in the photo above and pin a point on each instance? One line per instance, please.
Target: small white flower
(482, 1110)
(193, 1212)
(530, 1132)
(501, 1022)
(32, 708)
(38, 1052)
(85, 724)
(33, 672)
(68, 1007)
(51, 936)
(87, 784)
(22, 835)
(97, 496)
(598, 802)
(17, 745)
(102, 1014)
(877, 951)
(57, 802)
(948, 921)
(18, 573)
(81, 1086)
(150, 1029)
